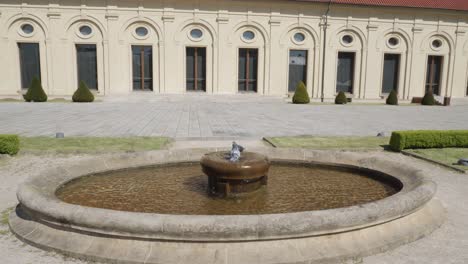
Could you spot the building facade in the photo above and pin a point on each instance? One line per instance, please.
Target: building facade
(228, 47)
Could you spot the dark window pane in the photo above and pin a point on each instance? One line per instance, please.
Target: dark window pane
(195, 68)
(142, 57)
(434, 74)
(248, 68)
(30, 64)
(345, 75)
(297, 68)
(390, 72)
(87, 65)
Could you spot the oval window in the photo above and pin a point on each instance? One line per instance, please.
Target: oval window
(248, 35)
(299, 37)
(393, 41)
(141, 31)
(436, 43)
(347, 39)
(86, 30)
(196, 33)
(27, 29)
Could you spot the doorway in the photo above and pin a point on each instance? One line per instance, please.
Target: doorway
(87, 65)
(248, 70)
(434, 74)
(297, 68)
(391, 72)
(195, 69)
(30, 63)
(142, 57)
(345, 72)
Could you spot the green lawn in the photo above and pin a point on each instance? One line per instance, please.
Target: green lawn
(38, 145)
(449, 156)
(10, 100)
(330, 142)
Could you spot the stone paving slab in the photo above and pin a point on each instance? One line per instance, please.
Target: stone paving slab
(204, 116)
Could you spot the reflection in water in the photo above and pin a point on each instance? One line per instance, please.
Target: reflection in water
(182, 189)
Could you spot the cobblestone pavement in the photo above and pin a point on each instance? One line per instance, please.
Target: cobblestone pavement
(207, 116)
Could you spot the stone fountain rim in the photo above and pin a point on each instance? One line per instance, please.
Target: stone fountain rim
(37, 197)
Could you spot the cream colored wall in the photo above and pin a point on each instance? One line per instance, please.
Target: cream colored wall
(275, 22)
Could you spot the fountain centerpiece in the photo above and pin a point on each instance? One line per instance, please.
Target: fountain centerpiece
(235, 172)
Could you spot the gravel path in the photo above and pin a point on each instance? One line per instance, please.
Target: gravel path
(446, 245)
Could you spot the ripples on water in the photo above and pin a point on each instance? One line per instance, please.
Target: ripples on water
(182, 189)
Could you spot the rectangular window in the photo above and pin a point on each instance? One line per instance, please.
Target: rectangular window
(86, 59)
(391, 72)
(195, 69)
(30, 64)
(142, 57)
(297, 68)
(345, 73)
(248, 67)
(434, 73)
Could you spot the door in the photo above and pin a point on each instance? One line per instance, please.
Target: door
(142, 57)
(391, 72)
(297, 68)
(195, 62)
(345, 73)
(434, 74)
(87, 65)
(248, 67)
(30, 64)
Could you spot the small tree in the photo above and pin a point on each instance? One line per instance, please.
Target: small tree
(83, 94)
(392, 98)
(300, 95)
(35, 92)
(341, 98)
(428, 98)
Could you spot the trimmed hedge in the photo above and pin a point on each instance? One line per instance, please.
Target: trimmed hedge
(420, 139)
(428, 98)
(300, 95)
(35, 92)
(9, 144)
(392, 98)
(83, 94)
(341, 98)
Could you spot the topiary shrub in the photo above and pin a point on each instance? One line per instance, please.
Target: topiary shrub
(83, 94)
(418, 139)
(9, 144)
(428, 98)
(341, 98)
(300, 95)
(35, 92)
(392, 98)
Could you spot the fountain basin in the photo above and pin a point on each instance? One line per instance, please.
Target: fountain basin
(248, 174)
(335, 234)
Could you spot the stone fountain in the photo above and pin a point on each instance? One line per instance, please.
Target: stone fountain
(232, 173)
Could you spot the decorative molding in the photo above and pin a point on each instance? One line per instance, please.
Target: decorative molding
(275, 19)
(417, 29)
(460, 31)
(168, 18)
(112, 16)
(168, 15)
(223, 17)
(222, 20)
(372, 27)
(54, 15)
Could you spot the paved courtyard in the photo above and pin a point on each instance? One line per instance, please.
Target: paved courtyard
(206, 116)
